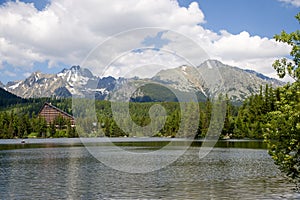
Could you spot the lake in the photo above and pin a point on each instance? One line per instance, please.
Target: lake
(66, 169)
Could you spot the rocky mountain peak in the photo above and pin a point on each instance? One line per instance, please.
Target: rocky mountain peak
(213, 64)
(74, 72)
(75, 68)
(33, 78)
(211, 78)
(36, 75)
(75, 80)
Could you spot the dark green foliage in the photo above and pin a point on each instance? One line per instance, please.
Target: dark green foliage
(175, 118)
(251, 117)
(284, 66)
(153, 93)
(139, 115)
(228, 126)
(8, 99)
(282, 132)
(13, 125)
(246, 121)
(22, 120)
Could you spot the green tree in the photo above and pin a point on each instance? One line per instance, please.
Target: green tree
(283, 131)
(283, 66)
(60, 122)
(283, 128)
(229, 119)
(52, 129)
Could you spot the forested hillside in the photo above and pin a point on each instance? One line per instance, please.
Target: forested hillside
(245, 121)
(8, 98)
(21, 120)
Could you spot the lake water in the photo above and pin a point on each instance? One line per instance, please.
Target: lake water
(65, 169)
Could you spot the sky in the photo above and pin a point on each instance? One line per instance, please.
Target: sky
(138, 37)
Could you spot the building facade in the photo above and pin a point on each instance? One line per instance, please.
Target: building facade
(50, 113)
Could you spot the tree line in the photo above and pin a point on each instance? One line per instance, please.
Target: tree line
(13, 125)
(22, 121)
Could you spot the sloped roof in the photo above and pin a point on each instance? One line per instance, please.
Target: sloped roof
(54, 107)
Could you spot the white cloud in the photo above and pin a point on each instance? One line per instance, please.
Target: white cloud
(249, 52)
(144, 64)
(66, 30)
(244, 46)
(9, 73)
(295, 3)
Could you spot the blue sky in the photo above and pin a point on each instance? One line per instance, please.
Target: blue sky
(258, 17)
(32, 37)
(39, 4)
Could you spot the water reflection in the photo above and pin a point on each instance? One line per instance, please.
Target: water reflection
(72, 173)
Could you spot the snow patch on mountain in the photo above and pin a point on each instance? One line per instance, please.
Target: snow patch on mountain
(210, 79)
(14, 86)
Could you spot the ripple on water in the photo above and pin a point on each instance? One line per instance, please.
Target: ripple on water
(72, 173)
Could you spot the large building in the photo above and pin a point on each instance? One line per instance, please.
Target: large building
(50, 112)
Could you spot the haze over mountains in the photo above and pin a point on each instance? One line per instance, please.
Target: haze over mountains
(211, 78)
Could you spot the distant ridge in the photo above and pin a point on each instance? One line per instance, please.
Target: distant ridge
(209, 79)
(213, 78)
(7, 98)
(264, 77)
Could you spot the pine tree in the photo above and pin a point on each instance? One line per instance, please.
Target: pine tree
(283, 130)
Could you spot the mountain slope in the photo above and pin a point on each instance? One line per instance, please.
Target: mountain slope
(76, 81)
(209, 79)
(7, 98)
(213, 78)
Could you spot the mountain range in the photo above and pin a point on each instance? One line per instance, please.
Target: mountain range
(209, 79)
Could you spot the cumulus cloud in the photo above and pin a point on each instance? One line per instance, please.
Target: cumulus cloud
(66, 31)
(244, 46)
(249, 52)
(295, 3)
(144, 64)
